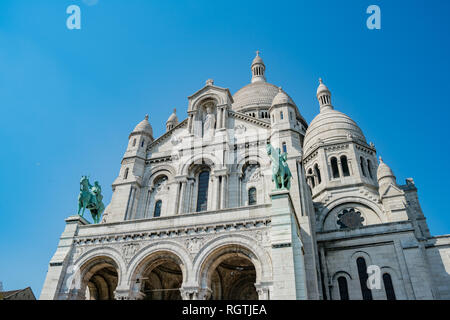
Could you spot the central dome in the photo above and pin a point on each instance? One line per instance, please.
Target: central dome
(256, 95)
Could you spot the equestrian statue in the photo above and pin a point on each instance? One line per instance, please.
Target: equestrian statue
(281, 174)
(90, 198)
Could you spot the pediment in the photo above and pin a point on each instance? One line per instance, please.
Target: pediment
(221, 95)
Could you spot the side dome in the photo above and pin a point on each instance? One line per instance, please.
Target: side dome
(331, 126)
(282, 98)
(384, 171)
(144, 127)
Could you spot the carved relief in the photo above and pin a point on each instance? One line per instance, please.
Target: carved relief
(129, 250)
(194, 244)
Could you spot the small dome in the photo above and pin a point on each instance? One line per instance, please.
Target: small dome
(384, 171)
(281, 98)
(322, 87)
(144, 127)
(173, 117)
(331, 126)
(257, 60)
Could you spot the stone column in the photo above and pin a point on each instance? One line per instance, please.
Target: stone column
(181, 207)
(289, 279)
(219, 117)
(216, 193)
(263, 291)
(54, 286)
(223, 198)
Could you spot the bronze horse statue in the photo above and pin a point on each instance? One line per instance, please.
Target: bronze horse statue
(281, 174)
(90, 197)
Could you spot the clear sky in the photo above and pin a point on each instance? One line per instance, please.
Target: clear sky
(69, 98)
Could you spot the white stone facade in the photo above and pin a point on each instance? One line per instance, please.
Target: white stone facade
(194, 215)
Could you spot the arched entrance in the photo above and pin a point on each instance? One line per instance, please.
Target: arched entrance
(160, 277)
(230, 274)
(99, 278)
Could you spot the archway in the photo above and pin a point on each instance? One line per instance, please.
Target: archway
(99, 278)
(160, 277)
(230, 274)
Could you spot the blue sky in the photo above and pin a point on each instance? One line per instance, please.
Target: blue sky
(69, 98)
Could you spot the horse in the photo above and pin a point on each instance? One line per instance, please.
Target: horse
(88, 200)
(281, 174)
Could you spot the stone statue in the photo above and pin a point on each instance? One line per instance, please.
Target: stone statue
(209, 123)
(90, 197)
(281, 174)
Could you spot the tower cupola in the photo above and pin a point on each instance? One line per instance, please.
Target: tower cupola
(258, 69)
(172, 121)
(324, 96)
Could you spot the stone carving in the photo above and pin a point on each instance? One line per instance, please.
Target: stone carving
(210, 122)
(129, 250)
(176, 140)
(240, 129)
(194, 244)
(350, 219)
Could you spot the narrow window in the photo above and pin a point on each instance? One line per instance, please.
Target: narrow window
(362, 272)
(157, 211)
(284, 147)
(369, 168)
(290, 115)
(361, 160)
(344, 164)
(134, 142)
(125, 175)
(343, 288)
(202, 195)
(334, 168)
(317, 171)
(281, 115)
(252, 196)
(390, 293)
(311, 178)
(142, 143)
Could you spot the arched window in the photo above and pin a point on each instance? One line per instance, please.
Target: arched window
(157, 211)
(202, 194)
(369, 168)
(125, 175)
(334, 168)
(363, 276)
(317, 172)
(142, 143)
(343, 288)
(284, 147)
(311, 178)
(388, 287)
(344, 164)
(251, 196)
(361, 160)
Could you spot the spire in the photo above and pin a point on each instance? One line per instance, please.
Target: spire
(385, 175)
(258, 69)
(172, 121)
(324, 96)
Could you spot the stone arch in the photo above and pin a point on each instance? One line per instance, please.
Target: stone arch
(241, 244)
(336, 295)
(97, 272)
(208, 159)
(176, 249)
(254, 157)
(397, 282)
(166, 169)
(330, 207)
(204, 98)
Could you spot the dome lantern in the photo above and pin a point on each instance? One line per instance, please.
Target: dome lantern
(172, 121)
(258, 69)
(324, 96)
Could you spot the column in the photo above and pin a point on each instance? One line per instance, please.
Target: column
(216, 193)
(219, 117)
(223, 197)
(182, 197)
(224, 117)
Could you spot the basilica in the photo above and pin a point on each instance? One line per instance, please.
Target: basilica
(195, 213)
